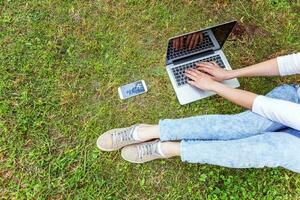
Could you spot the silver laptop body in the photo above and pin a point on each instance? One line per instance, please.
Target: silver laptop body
(208, 49)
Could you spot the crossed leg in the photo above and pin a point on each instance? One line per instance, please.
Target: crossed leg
(218, 127)
(239, 141)
(270, 149)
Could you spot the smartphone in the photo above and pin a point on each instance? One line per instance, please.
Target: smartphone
(132, 89)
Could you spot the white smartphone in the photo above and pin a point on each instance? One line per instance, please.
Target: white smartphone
(132, 89)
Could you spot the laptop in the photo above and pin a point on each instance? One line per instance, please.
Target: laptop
(182, 54)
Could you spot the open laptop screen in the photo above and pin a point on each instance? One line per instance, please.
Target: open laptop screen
(197, 42)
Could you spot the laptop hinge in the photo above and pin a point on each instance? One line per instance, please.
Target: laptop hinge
(192, 57)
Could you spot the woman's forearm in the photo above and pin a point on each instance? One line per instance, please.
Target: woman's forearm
(266, 68)
(237, 96)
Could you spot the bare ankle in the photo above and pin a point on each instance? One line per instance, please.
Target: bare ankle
(170, 149)
(147, 132)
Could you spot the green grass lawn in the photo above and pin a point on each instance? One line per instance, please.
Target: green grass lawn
(61, 63)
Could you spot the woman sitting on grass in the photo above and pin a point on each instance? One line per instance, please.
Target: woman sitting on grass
(268, 135)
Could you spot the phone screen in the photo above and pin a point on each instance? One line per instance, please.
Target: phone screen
(132, 89)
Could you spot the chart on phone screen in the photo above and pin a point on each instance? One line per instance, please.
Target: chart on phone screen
(138, 88)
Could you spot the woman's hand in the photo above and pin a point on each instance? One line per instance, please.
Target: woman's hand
(200, 80)
(212, 68)
(206, 82)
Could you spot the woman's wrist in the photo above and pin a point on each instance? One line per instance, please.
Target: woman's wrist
(237, 96)
(231, 74)
(217, 87)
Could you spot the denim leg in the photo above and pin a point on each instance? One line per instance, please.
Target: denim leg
(270, 149)
(291, 131)
(225, 127)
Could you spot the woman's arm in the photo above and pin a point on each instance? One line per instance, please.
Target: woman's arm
(237, 96)
(284, 112)
(283, 65)
(205, 82)
(265, 106)
(266, 68)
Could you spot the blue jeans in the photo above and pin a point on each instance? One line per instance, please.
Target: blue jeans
(242, 140)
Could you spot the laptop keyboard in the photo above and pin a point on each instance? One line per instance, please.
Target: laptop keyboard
(179, 71)
(204, 45)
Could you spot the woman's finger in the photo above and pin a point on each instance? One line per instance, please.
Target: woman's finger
(215, 64)
(208, 63)
(205, 69)
(193, 83)
(192, 77)
(193, 72)
(202, 74)
(204, 64)
(199, 67)
(199, 73)
(189, 72)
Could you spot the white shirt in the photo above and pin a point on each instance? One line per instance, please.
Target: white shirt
(284, 112)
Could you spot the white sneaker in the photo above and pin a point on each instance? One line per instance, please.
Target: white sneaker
(116, 138)
(143, 152)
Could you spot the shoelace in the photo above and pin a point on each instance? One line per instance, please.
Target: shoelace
(123, 136)
(147, 149)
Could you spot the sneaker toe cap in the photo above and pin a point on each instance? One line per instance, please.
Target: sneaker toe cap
(130, 154)
(104, 142)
